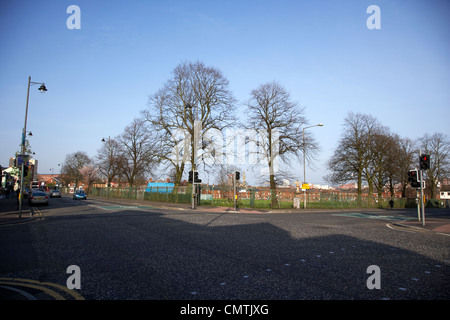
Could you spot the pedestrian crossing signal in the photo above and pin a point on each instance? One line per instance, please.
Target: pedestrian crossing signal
(414, 179)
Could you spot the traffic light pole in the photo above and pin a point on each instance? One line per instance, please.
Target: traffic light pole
(193, 193)
(418, 204)
(421, 197)
(234, 189)
(421, 189)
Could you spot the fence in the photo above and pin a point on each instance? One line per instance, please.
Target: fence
(255, 197)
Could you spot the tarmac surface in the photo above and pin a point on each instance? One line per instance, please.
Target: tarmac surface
(10, 289)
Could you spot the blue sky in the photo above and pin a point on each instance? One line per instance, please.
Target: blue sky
(100, 76)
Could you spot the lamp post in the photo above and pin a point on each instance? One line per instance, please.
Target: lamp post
(42, 89)
(196, 132)
(304, 160)
(108, 184)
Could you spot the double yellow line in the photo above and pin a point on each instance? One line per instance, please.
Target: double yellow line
(56, 291)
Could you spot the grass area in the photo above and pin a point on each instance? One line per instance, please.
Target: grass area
(324, 204)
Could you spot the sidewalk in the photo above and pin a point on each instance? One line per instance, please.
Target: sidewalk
(173, 206)
(9, 214)
(437, 224)
(441, 225)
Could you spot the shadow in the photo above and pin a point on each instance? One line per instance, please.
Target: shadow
(152, 256)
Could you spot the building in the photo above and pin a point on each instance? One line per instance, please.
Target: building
(47, 179)
(444, 193)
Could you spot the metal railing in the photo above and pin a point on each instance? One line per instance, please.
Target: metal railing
(259, 198)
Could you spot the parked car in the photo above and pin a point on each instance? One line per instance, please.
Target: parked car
(79, 194)
(37, 197)
(55, 194)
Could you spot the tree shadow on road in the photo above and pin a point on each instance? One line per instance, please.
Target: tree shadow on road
(151, 255)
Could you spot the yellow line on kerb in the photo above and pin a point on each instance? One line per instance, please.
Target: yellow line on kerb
(40, 286)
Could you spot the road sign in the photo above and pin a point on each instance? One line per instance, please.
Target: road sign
(305, 186)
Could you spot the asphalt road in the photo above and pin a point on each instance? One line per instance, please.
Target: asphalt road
(134, 252)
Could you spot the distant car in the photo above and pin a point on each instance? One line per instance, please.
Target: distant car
(55, 194)
(79, 194)
(37, 197)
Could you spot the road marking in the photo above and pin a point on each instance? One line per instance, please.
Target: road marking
(119, 207)
(371, 216)
(52, 293)
(23, 293)
(42, 286)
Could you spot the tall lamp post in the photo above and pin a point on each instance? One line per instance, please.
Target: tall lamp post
(110, 155)
(42, 89)
(304, 160)
(197, 131)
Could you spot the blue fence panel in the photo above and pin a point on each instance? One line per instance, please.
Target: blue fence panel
(159, 187)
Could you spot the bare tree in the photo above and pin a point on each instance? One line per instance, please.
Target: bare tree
(88, 175)
(278, 122)
(195, 102)
(108, 160)
(382, 158)
(403, 152)
(438, 147)
(137, 154)
(353, 158)
(72, 165)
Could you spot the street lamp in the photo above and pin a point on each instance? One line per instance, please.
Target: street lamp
(42, 89)
(196, 130)
(108, 183)
(304, 160)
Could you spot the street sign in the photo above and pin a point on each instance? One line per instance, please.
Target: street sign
(22, 159)
(305, 186)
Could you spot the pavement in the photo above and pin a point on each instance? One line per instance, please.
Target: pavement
(439, 224)
(9, 213)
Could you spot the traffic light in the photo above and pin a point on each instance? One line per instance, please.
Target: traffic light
(413, 178)
(196, 179)
(25, 171)
(238, 175)
(193, 177)
(425, 161)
